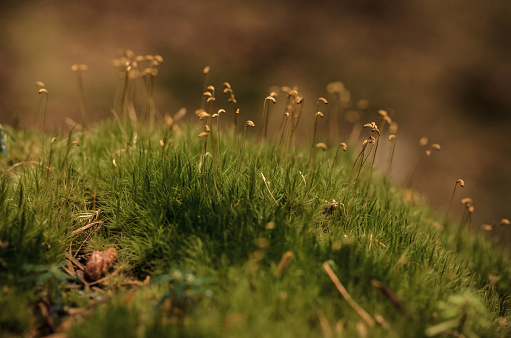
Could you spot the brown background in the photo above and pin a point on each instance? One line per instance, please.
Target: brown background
(443, 67)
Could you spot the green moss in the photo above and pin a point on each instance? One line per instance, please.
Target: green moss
(163, 215)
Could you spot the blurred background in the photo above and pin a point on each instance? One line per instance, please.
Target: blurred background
(441, 69)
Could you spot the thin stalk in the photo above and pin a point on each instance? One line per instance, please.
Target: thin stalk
(428, 154)
(78, 69)
(462, 184)
(351, 169)
(345, 147)
(67, 153)
(265, 108)
(461, 226)
(422, 143)
(247, 124)
(289, 108)
(205, 71)
(44, 91)
(213, 150)
(49, 159)
(391, 157)
(372, 163)
(236, 135)
(363, 159)
(282, 132)
(421, 168)
(467, 219)
(318, 114)
(124, 97)
(40, 102)
(220, 111)
(318, 146)
(203, 155)
(274, 95)
(296, 114)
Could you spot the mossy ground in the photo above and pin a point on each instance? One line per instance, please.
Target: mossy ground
(212, 253)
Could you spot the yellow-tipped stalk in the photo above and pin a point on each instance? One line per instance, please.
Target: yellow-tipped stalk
(266, 110)
(44, 91)
(296, 113)
(236, 118)
(247, 124)
(210, 100)
(364, 145)
(361, 156)
(371, 140)
(422, 143)
(232, 100)
(344, 147)
(318, 114)
(274, 95)
(282, 130)
(36, 115)
(203, 116)
(217, 116)
(148, 75)
(162, 146)
(49, 158)
(427, 155)
(355, 116)
(392, 137)
(466, 219)
(205, 71)
(337, 104)
(503, 222)
(124, 96)
(385, 120)
(78, 69)
(204, 135)
(374, 129)
(462, 184)
(323, 147)
(125, 65)
(289, 106)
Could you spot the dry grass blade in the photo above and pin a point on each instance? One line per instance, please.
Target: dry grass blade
(284, 262)
(19, 164)
(325, 326)
(73, 260)
(85, 227)
(268, 188)
(354, 305)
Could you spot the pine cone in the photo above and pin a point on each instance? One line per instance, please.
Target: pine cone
(99, 263)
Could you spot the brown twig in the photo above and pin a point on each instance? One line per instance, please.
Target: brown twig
(391, 297)
(104, 279)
